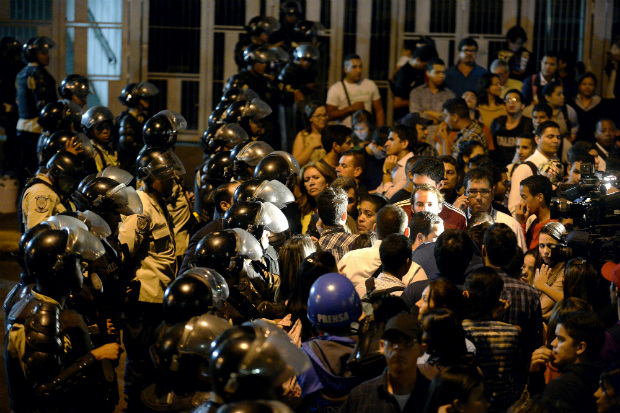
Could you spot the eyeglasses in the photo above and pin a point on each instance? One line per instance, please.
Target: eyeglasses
(511, 100)
(324, 115)
(472, 193)
(472, 50)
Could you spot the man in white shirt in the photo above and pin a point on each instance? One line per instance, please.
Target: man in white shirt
(361, 264)
(548, 140)
(353, 93)
(478, 195)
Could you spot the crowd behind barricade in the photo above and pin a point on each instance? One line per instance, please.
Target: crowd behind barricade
(465, 258)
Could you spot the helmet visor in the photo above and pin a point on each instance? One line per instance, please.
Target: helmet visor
(257, 109)
(248, 94)
(96, 115)
(97, 225)
(83, 243)
(116, 173)
(247, 246)
(293, 164)
(219, 287)
(275, 192)
(272, 218)
(177, 120)
(146, 89)
(62, 221)
(231, 134)
(165, 166)
(253, 152)
(273, 354)
(86, 146)
(126, 198)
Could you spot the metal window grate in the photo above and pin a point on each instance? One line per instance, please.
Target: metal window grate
(326, 17)
(443, 16)
(31, 9)
(159, 101)
(410, 16)
(380, 39)
(218, 67)
(485, 17)
(230, 12)
(349, 40)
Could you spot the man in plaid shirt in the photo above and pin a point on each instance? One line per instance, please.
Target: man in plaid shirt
(332, 209)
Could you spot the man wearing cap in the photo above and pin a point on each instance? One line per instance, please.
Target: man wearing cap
(400, 388)
(428, 99)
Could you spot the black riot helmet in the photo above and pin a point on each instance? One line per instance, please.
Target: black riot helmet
(195, 292)
(96, 118)
(160, 164)
(10, 47)
(255, 110)
(59, 115)
(34, 46)
(307, 31)
(67, 170)
(217, 117)
(57, 141)
(53, 257)
(105, 195)
(306, 51)
(208, 143)
(236, 82)
(278, 165)
(255, 406)
(162, 129)
(266, 191)
(253, 360)
(224, 251)
(246, 155)
(254, 217)
(219, 168)
(234, 94)
(74, 85)
(257, 54)
(183, 353)
(262, 24)
(291, 7)
(134, 92)
(24, 240)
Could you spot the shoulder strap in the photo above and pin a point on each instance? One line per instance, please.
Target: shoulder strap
(346, 92)
(532, 166)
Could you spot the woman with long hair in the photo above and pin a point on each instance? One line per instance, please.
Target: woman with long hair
(307, 146)
(490, 104)
(588, 106)
(457, 389)
(314, 178)
(290, 257)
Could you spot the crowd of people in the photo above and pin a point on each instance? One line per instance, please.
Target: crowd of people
(323, 261)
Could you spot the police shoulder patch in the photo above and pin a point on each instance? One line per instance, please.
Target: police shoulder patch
(42, 203)
(142, 224)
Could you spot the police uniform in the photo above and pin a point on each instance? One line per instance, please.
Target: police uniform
(180, 211)
(129, 125)
(149, 238)
(104, 157)
(48, 361)
(40, 201)
(35, 89)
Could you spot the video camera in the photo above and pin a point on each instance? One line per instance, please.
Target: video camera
(595, 215)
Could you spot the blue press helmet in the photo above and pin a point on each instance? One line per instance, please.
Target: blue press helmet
(333, 301)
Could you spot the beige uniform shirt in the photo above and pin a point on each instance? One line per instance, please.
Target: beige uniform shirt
(150, 238)
(181, 212)
(39, 203)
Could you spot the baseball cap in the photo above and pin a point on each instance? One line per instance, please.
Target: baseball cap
(404, 323)
(611, 272)
(414, 118)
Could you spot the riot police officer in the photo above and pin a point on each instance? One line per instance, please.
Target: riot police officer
(258, 30)
(54, 117)
(45, 373)
(103, 295)
(149, 238)
(98, 124)
(226, 251)
(35, 89)
(138, 97)
(162, 131)
(48, 193)
(246, 155)
(74, 89)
